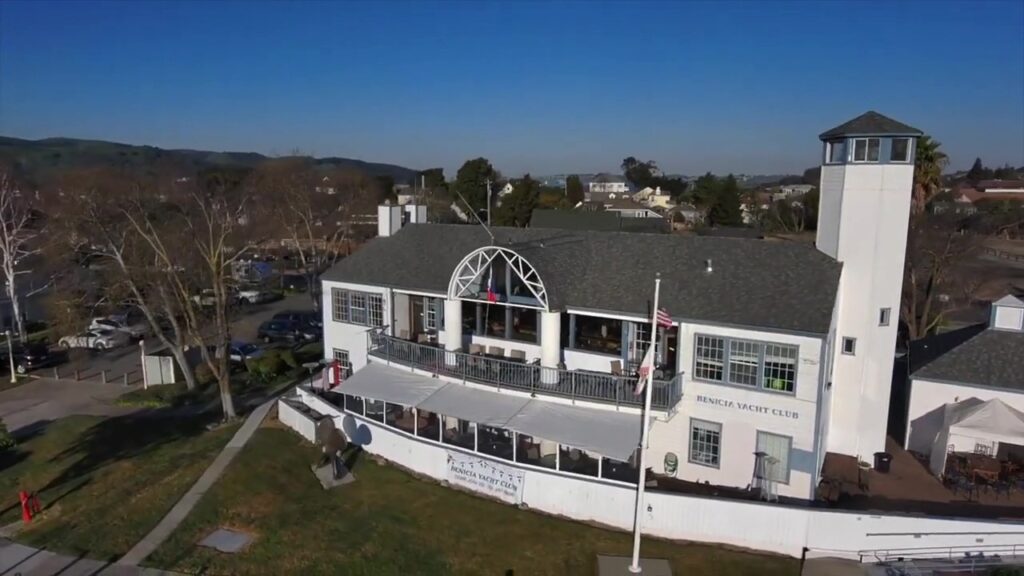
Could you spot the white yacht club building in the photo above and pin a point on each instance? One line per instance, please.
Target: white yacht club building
(507, 364)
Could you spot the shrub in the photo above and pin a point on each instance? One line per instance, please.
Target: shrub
(204, 376)
(267, 366)
(6, 440)
(288, 357)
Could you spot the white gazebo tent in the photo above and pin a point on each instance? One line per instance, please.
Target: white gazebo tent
(971, 423)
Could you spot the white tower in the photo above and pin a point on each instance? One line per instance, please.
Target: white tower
(867, 177)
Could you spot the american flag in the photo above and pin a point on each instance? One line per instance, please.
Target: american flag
(492, 292)
(664, 319)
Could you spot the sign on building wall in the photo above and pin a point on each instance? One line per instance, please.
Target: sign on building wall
(487, 477)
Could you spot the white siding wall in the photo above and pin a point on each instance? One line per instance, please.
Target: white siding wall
(296, 420)
(771, 528)
(874, 205)
(750, 410)
(344, 336)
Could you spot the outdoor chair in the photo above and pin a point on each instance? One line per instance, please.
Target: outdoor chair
(422, 339)
(495, 351)
(617, 367)
(476, 349)
(403, 334)
(517, 355)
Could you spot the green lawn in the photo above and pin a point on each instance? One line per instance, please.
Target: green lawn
(104, 483)
(390, 523)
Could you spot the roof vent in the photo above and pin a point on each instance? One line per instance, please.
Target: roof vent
(707, 266)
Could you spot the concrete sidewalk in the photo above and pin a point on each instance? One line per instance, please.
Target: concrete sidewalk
(170, 522)
(28, 561)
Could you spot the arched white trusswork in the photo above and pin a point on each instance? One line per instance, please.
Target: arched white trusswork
(469, 279)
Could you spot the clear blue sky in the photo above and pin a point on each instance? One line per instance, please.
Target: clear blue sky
(539, 87)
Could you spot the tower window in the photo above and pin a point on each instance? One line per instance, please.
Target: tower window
(883, 316)
(837, 151)
(866, 149)
(849, 346)
(900, 151)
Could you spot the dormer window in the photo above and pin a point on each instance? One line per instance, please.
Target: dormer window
(900, 150)
(866, 149)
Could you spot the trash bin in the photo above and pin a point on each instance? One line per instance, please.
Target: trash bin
(882, 462)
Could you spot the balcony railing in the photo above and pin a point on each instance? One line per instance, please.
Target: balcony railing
(521, 376)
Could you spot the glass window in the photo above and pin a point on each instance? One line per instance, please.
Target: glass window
(374, 409)
(577, 461)
(401, 417)
(837, 151)
(354, 404)
(458, 433)
(495, 442)
(619, 470)
(709, 358)
(343, 358)
(744, 358)
(430, 314)
(469, 317)
(357, 307)
(429, 425)
(705, 442)
(494, 320)
(776, 451)
(884, 316)
(900, 151)
(849, 346)
(339, 305)
(779, 367)
(596, 334)
(537, 452)
(866, 149)
(524, 324)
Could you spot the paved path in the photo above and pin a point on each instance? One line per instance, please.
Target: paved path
(167, 525)
(19, 560)
(44, 400)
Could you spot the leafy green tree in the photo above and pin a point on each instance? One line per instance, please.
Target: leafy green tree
(977, 171)
(386, 189)
(574, 189)
(517, 207)
(726, 211)
(1007, 172)
(432, 179)
(471, 181)
(705, 190)
(641, 174)
(929, 162)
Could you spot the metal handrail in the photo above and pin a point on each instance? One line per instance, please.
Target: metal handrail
(524, 377)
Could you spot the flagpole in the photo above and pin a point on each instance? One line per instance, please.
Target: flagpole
(646, 427)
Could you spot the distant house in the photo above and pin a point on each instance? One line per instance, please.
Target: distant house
(654, 198)
(690, 215)
(1001, 186)
(625, 207)
(792, 190)
(608, 184)
(991, 191)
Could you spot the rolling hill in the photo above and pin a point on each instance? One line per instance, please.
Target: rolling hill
(43, 160)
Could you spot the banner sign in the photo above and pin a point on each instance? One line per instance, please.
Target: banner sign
(748, 407)
(487, 477)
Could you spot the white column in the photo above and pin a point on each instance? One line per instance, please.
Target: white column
(452, 329)
(550, 345)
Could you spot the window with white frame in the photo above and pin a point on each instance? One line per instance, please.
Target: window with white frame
(866, 149)
(884, 316)
(709, 357)
(431, 313)
(354, 307)
(899, 150)
(849, 346)
(705, 442)
(745, 362)
(836, 151)
(776, 449)
(343, 358)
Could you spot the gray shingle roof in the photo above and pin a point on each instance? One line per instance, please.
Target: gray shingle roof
(993, 358)
(778, 285)
(872, 123)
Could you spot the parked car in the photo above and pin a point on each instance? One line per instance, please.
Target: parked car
(95, 339)
(130, 323)
(239, 352)
(285, 331)
(302, 317)
(254, 296)
(27, 357)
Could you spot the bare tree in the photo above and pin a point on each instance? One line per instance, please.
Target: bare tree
(936, 281)
(312, 211)
(17, 243)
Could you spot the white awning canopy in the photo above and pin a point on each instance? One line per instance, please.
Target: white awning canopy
(482, 407)
(612, 434)
(974, 421)
(382, 382)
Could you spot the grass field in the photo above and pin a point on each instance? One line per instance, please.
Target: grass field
(104, 483)
(390, 523)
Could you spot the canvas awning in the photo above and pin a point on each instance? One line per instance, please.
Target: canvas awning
(383, 382)
(482, 407)
(612, 434)
(975, 421)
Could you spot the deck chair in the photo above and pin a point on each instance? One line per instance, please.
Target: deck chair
(476, 349)
(403, 334)
(495, 351)
(517, 355)
(616, 367)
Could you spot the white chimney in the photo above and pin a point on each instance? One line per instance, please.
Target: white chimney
(389, 219)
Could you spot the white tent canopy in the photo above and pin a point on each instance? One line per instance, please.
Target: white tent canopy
(480, 406)
(971, 422)
(612, 434)
(382, 382)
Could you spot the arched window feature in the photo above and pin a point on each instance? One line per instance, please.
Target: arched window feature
(496, 274)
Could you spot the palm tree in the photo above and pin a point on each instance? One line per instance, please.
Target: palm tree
(928, 165)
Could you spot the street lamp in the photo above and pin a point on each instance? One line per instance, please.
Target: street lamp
(10, 356)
